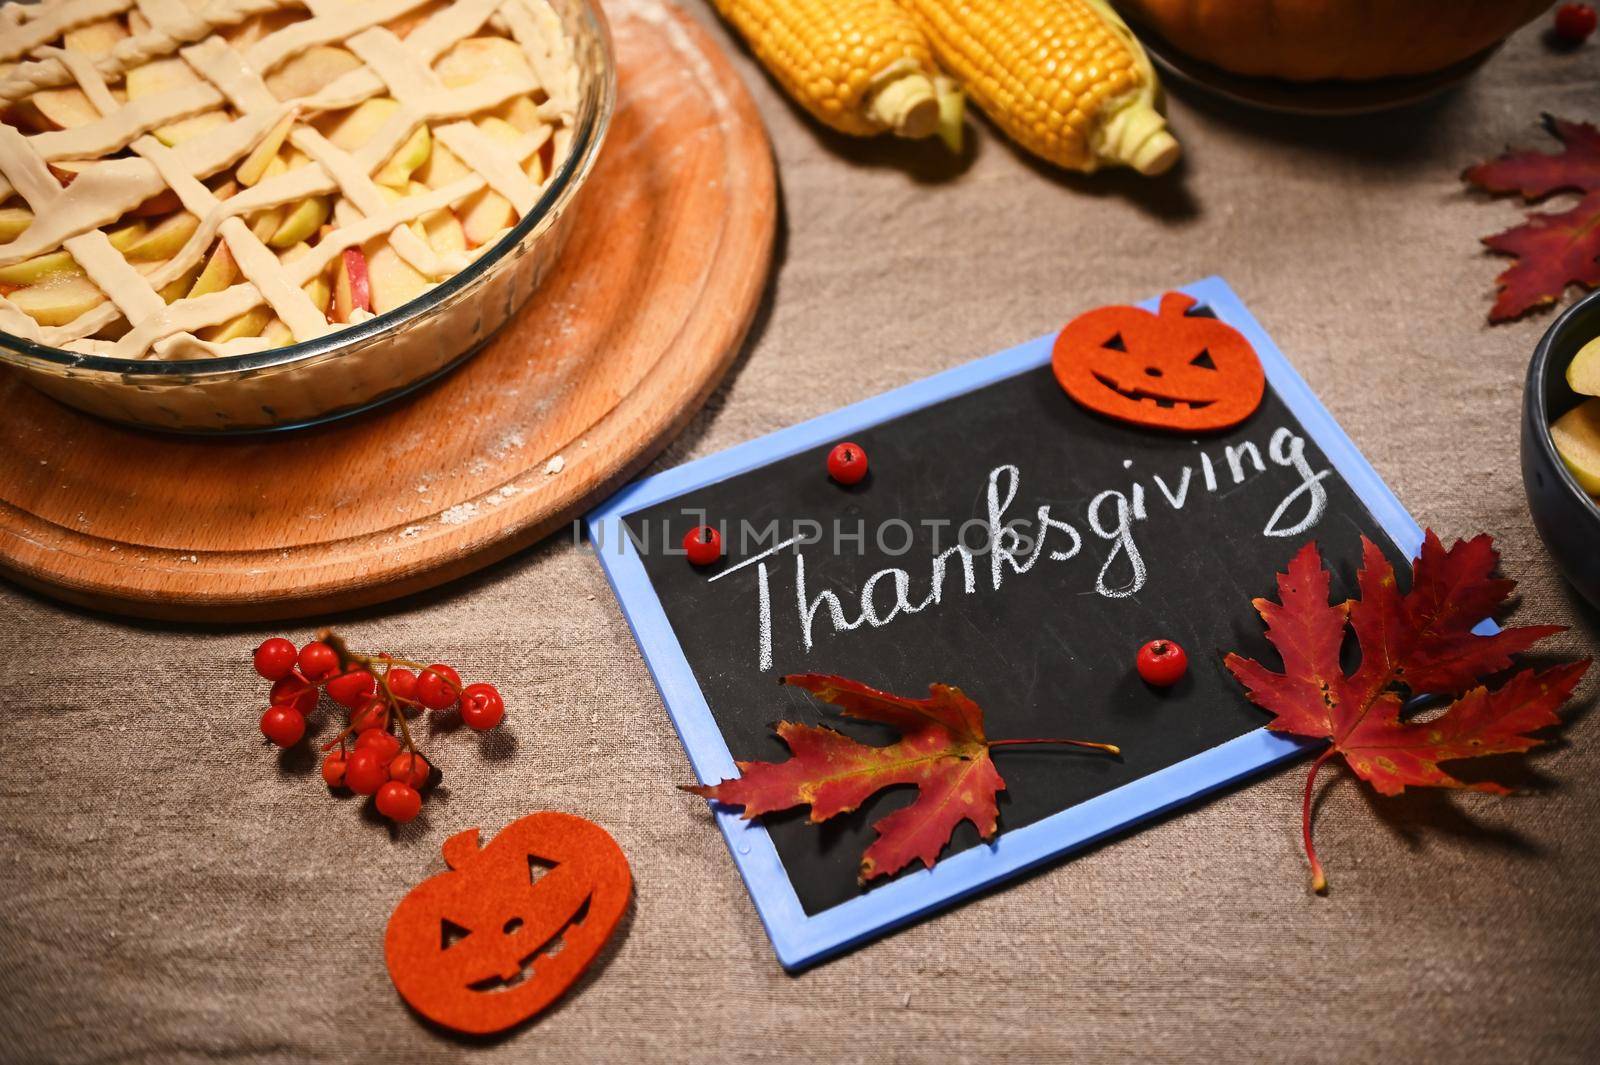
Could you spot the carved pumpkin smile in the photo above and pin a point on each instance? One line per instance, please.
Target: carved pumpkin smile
(514, 958)
(1172, 370)
(1160, 399)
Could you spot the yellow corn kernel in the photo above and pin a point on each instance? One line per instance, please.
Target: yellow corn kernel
(1066, 79)
(859, 66)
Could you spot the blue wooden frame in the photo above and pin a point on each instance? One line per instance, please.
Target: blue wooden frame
(800, 939)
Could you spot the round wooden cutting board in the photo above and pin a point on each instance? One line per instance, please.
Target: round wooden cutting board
(626, 339)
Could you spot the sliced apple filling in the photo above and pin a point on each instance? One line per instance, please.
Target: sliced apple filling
(172, 195)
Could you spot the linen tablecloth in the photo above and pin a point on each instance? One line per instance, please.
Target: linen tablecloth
(171, 891)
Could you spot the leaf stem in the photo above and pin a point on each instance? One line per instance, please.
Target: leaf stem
(1319, 883)
(1109, 748)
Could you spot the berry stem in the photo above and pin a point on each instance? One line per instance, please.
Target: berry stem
(1109, 748)
(388, 693)
(347, 657)
(340, 648)
(1319, 883)
(390, 660)
(405, 730)
(379, 666)
(339, 739)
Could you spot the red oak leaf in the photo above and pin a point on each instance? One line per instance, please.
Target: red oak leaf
(1552, 250)
(942, 750)
(1418, 643)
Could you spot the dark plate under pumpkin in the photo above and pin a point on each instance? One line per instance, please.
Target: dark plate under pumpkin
(1333, 98)
(1566, 517)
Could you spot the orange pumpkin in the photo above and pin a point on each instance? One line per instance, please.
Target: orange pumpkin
(511, 925)
(1171, 370)
(1309, 40)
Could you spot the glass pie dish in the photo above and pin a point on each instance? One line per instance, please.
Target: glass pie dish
(367, 362)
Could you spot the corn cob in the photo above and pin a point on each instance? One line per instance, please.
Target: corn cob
(1066, 79)
(859, 66)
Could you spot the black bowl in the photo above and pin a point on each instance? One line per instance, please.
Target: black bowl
(1566, 517)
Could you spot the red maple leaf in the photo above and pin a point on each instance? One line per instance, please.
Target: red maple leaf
(1419, 643)
(942, 750)
(1552, 250)
(1535, 175)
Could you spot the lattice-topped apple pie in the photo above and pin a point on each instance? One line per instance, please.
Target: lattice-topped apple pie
(183, 179)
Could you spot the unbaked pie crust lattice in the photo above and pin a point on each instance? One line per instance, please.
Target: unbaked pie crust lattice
(246, 179)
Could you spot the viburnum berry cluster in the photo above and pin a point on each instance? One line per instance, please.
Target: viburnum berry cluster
(379, 691)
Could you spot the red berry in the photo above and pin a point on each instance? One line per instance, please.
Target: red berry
(847, 463)
(317, 660)
(402, 683)
(378, 740)
(438, 687)
(408, 768)
(283, 725)
(333, 768)
(1575, 22)
(703, 545)
(373, 715)
(365, 771)
(399, 802)
(1162, 663)
(292, 691)
(352, 689)
(481, 707)
(275, 658)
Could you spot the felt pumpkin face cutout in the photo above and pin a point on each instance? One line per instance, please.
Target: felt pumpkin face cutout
(1170, 370)
(511, 925)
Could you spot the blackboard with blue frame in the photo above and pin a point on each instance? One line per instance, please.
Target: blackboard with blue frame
(1045, 646)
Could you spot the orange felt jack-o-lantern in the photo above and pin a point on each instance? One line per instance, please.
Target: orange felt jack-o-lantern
(1170, 370)
(511, 925)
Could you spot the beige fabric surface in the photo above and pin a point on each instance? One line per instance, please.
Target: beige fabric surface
(169, 892)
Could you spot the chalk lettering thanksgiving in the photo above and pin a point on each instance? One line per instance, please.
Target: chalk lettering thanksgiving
(1015, 542)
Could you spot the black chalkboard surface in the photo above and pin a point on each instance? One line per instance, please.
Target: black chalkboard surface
(1146, 535)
